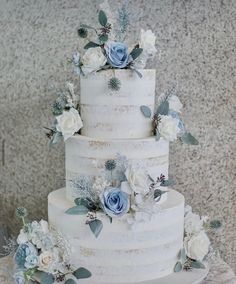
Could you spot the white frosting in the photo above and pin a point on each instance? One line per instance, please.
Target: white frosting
(87, 156)
(116, 114)
(121, 254)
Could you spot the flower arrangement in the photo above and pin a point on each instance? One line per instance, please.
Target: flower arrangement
(43, 254)
(123, 191)
(196, 242)
(167, 122)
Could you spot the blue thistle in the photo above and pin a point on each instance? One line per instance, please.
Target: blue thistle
(110, 165)
(215, 224)
(114, 84)
(82, 32)
(21, 212)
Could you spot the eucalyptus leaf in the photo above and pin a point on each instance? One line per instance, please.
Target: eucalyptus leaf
(167, 182)
(183, 256)
(158, 193)
(56, 138)
(96, 227)
(103, 38)
(46, 278)
(70, 281)
(187, 138)
(86, 202)
(136, 52)
(146, 111)
(197, 264)
(137, 72)
(82, 273)
(102, 18)
(178, 267)
(158, 135)
(77, 210)
(163, 108)
(91, 44)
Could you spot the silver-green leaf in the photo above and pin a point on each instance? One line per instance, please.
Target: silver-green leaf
(82, 273)
(158, 135)
(197, 264)
(136, 52)
(183, 256)
(102, 18)
(188, 138)
(103, 38)
(46, 278)
(178, 267)
(146, 111)
(163, 108)
(96, 227)
(70, 281)
(77, 210)
(91, 44)
(167, 182)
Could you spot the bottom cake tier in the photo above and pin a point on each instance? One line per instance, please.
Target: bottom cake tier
(121, 253)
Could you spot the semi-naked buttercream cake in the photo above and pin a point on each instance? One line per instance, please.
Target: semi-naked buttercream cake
(125, 251)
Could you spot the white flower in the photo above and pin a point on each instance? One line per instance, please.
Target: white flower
(198, 246)
(147, 42)
(99, 185)
(68, 123)
(92, 60)
(193, 224)
(168, 127)
(44, 226)
(22, 238)
(48, 260)
(138, 180)
(174, 103)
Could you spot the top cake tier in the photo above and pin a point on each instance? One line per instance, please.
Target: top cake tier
(111, 114)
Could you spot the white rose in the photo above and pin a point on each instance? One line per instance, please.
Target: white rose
(147, 42)
(68, 123)
(44, 226)
(168, 127)
(93, 59)
(198, 246)
(48, 260)
(174, 103)
(193, 224)
(138, 180)
(22, 238)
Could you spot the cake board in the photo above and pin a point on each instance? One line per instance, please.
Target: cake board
(195, 276)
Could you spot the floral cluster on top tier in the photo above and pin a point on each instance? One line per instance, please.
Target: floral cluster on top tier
(43, 253)
(122, 189)
(108, 50)
(197, 246)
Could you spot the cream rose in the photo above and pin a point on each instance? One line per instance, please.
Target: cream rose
(92, 60)
(68, 123)
(138, 180)
(147, 42)
(168, 127)
(197, 247)
(48, 260)
(174, 103)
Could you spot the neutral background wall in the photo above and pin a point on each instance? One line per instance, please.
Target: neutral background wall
(197, 43)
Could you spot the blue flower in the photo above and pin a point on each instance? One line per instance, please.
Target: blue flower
(181, 126)
(117, 54)
(25, 252)
(115, 202)
(19, 277)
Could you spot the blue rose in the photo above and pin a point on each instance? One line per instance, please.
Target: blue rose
(181, 126)
(117, 54)
(26, 256)
(115, 202)
(19, 277)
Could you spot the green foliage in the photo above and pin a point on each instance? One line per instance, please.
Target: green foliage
(182, 255)
(70, 281)
(77, 210)
(187, 138)
(46, 278)
(158, 193)
(96, 227)
(82, 32)
(215, 224)
(136, 71)
(82, 273)
(91, 44)
(56, 137)
(21, 212)
(167, 182)
(163, 108)
(197, 264)
(59, 105)
(178, 267)
(135, 53)
(158, 135)
(114, 84)
(103, 38)
(102, 18)
(146, 111)
(86, 202)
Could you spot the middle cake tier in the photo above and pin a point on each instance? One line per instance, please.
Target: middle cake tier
(87, 156)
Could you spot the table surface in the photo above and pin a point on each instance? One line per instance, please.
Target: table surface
(220, 272)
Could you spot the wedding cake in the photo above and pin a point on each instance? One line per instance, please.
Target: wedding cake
(117, 220)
